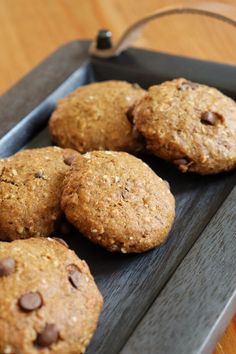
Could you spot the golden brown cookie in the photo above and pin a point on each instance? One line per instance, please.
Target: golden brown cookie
(117, 201)
(192, 125)
(49, 302)
(95, 117)
(30, 191)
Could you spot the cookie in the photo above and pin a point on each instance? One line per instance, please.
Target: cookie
(191, 125)
(30, 191)
(49, 302)
(117, 201)
(96, 117)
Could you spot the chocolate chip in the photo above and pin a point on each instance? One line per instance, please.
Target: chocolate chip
(60, 240)
(129, 115)
(75, 278)
(182, 161)
(48, 336)
(210, 118)
(7, 266)
(68, 160)
(40, 174)
(187, 85)
(74, 275)
(31, 301)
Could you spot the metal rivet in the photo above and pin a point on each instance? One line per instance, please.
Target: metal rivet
(104, 39)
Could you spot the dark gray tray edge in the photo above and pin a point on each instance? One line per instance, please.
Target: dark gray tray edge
(53, 71)
(220, 326)
(166, 327)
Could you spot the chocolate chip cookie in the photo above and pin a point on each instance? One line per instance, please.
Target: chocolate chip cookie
(30, 191)
(96, 117)
(192, 125)
(117, 201)
(49, 302)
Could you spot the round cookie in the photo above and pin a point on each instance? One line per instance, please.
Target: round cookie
(30, 191)
(117, 201)
(192, 125)
(49, 302)
(96, 117)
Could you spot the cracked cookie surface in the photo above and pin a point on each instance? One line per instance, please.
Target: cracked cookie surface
(30, 190)
(117, 201)
(191, 125)
(94, 117)
(49, 302)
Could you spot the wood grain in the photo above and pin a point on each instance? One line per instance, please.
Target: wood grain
(30, 30)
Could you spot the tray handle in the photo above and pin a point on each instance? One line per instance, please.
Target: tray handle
(220, 11)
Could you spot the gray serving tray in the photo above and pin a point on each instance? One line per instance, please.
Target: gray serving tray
(177, 298)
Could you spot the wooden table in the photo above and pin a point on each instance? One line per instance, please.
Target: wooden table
(31, 30)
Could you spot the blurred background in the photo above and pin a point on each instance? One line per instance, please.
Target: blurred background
(32, 29)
